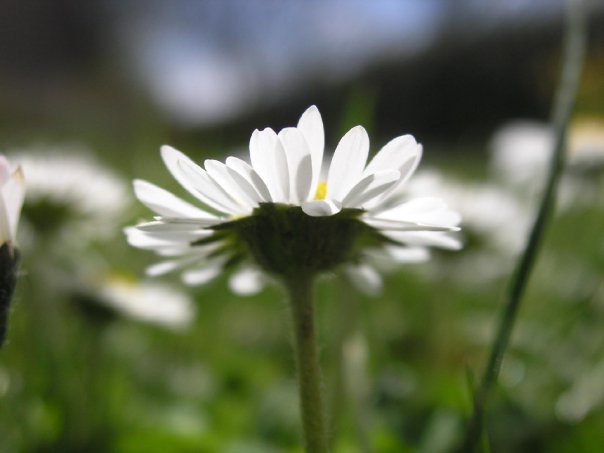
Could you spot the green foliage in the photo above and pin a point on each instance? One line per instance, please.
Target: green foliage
(76, 377)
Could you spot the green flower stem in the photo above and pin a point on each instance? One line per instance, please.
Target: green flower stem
(312, 406)
(9, 259)
(573, 53)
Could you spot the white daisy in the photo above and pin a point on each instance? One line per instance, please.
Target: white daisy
(71, 180)
(12, 192)
(278, 212)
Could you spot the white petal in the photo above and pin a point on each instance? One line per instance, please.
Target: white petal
(269, 161)
(13, 193)
(164, 267)
(280, 172)
(184, 250)
(177, 236)
(249, 188)
(299, 164)
(347, 163)
(244, 170)
(246, 196)
(246, 282)
(174, 250)
(394, 154)
(171, 238)
(140, 239)
(401, 153)
(5, 233)
(261, 145)
(369, 187)
(365, 278)
(410, 165)
(445, 217)
(191, 220)
(321, 208)
(427, 238)
(425, 210)
(416, 205)
(171, 158)
(399, 225)
(158, 225)
(164, 203)
(311, 126)
(208, 190)
(408, 254)
(201, 276)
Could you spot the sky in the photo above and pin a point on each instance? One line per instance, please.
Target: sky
(206, 62)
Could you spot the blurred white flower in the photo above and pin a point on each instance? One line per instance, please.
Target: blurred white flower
(521, 151)
(586, 142)
(247, 281)
(282, 189)
(484, 208)
(70, 178)
(12, 192)
(366, 275)
(365, 278)
(147, 301)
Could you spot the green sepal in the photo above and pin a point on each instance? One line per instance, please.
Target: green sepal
(284, 241)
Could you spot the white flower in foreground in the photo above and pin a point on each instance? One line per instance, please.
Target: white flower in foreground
(278, 214)
(12, 192)
(148, 302)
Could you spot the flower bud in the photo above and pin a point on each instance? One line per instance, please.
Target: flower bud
(12, 191)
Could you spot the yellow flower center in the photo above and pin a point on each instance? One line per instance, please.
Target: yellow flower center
(321, 190)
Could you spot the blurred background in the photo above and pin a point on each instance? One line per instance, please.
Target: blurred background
(100, 358)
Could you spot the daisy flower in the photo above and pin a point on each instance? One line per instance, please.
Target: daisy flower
(277, 213)
(70, 189)
(12, 192)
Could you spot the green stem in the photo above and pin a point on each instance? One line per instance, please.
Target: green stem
(307, 360)
(574, 49)
(9, 259)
